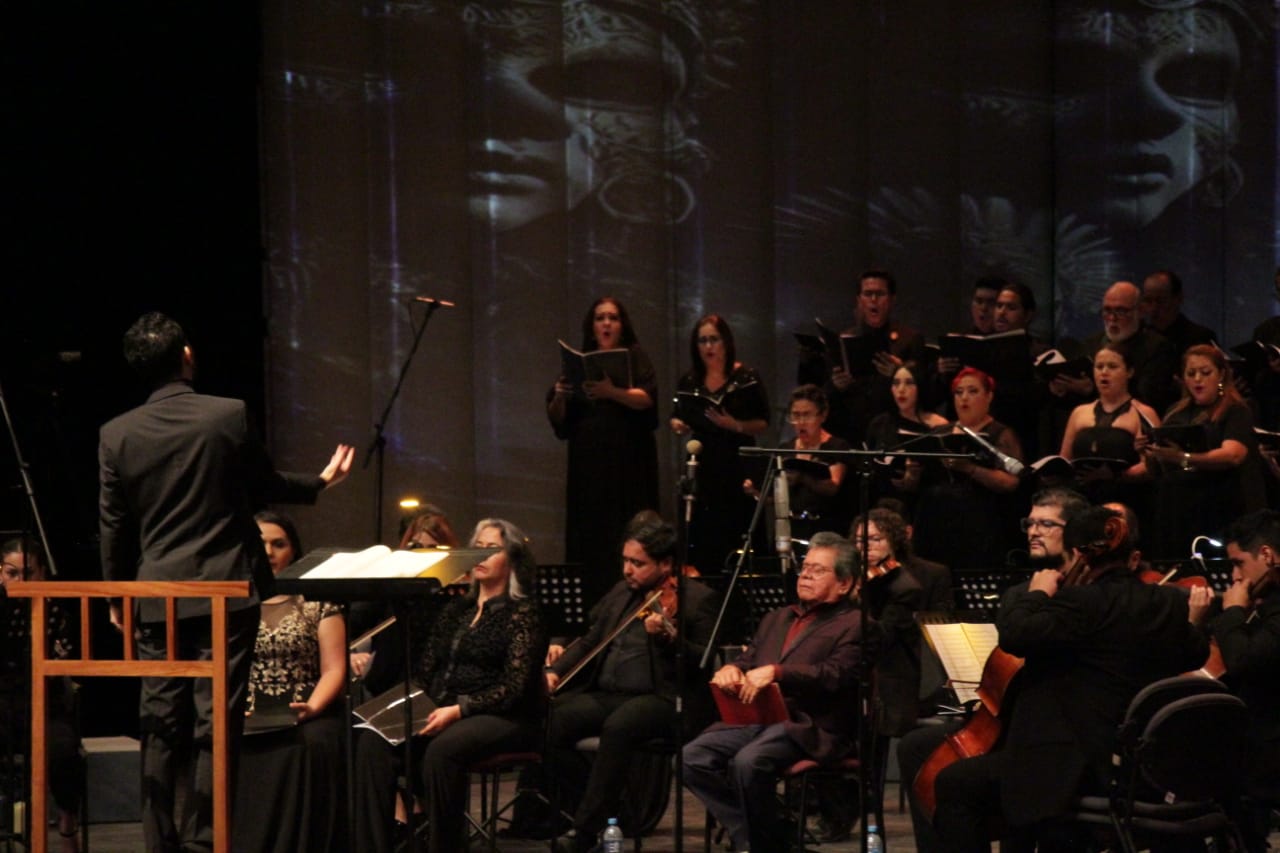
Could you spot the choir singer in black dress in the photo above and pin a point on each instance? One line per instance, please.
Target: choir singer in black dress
(722, 403)
(613, 456)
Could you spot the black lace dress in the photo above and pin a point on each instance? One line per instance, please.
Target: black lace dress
(291, 789)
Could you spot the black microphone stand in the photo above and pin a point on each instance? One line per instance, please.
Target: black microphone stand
(25, 472)
(688, 493)
(863, 460)
(377, 448)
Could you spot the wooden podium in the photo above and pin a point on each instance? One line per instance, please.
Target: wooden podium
(216, 669)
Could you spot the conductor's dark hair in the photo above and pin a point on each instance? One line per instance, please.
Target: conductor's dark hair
(1250, 532)
(153, 348)
(883, 275)
(655, 536)
(286, 524)
(628, 338)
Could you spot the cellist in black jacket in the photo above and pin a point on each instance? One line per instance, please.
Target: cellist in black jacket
(1091, 637)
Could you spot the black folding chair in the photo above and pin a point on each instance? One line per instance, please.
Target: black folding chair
(1178, 761)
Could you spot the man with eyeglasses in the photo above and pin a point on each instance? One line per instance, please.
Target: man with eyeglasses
(1051, 511)
(811, 651)
(857, 396)
(1152, 357)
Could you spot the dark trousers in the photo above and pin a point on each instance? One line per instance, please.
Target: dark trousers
(914, 750)
(440, 765)
(734, 772)
(593, 789)
(176, 724)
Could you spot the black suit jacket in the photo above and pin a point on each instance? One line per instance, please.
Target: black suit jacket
(1088, 650)
(818, 675)
(893, 601)
(936, 593)
(180, 479)
(701, 604)
(1251, 654)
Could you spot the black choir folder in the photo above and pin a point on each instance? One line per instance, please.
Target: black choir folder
(1060, 466)
(855, 353)
(692, 407)
(768, 708)
(578, 367)
(384, 713)
(1192, 438)
(1006, 356)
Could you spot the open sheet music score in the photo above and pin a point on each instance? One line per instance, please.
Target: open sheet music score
(963, 648)
(376, 562)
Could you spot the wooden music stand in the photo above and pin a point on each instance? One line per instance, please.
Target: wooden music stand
(216, 669)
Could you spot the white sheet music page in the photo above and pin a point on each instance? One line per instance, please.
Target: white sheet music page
(378, 561)
(963, 648)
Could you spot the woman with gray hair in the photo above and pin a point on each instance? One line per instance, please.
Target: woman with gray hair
(482, 667)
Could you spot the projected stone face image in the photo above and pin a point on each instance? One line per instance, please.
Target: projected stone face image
(1145, 107)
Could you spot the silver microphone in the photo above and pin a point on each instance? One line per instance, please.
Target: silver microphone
(1007, 462)
(781, 512)
(693, 447)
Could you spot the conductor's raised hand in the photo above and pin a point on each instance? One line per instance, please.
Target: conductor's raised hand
(339, 465)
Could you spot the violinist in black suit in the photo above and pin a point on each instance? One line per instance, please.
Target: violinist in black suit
(626, 692)
(1090, 637)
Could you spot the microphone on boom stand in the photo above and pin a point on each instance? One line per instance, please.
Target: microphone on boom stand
(782, 515)
(689, 485)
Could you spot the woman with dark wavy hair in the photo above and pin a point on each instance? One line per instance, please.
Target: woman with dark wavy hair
(613, 455)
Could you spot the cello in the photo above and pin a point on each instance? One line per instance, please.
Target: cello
(982, 730)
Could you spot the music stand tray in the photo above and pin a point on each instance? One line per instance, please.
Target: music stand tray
(447, 569)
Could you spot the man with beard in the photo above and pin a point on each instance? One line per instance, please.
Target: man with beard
(1090, 638)
(1051, 511)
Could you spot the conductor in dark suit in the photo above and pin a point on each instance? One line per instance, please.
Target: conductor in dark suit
(180, 477)
(1088, 648)
(811, 650)
(627, 693)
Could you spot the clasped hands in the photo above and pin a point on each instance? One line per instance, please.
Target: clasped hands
(745, 685)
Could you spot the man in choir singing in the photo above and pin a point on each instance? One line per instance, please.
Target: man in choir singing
(620, 680)
(811, 650)
(863, 390)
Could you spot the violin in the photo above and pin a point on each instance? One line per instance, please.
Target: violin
(668, 601)
(650, 606)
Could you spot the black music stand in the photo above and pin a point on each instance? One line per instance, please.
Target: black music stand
(978, 593)
(563, 600)
(451, 565)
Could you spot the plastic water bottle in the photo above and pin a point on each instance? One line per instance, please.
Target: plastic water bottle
(875, 844)
(611, 840)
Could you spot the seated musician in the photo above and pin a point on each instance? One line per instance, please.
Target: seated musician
(1247, 632)
(479, 665)
(811, 651)
(1090, 637)
(1051, 511)
(23, 559)
(625, 692)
